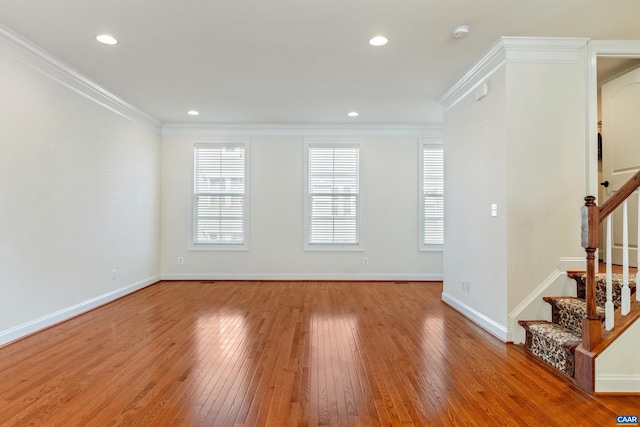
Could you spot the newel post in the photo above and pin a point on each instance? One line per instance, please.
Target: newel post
(591, 325)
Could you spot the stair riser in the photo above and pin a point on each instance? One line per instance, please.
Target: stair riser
(567, 318)
(569, 314)
(550, 352)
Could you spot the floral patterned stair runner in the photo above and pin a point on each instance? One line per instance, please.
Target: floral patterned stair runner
(555, 342)
(601, 287)
(552, 343)
(569, 312)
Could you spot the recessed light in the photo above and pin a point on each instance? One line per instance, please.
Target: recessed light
(193, 113)
(353, 114)
(378, 41)
(106, 39)
(461, 31)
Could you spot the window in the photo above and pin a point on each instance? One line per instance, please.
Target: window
(220, 195)
(333, 214)
(432, 197)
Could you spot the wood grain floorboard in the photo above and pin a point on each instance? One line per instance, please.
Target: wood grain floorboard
(285, 354)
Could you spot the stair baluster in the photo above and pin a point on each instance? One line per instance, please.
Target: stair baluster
(592, 228)
(626, 292)
(609, 308)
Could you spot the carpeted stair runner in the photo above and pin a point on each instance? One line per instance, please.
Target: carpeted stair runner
(601, 287)
(555, 342)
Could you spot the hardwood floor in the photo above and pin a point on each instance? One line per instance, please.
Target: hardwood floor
(284, 353)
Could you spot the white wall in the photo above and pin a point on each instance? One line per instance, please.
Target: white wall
(523, 148)
(475, 178)
(390, 181)
(79, 197)
(546, 170)
(617, 368)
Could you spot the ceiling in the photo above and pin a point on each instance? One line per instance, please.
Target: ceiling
(295, 61)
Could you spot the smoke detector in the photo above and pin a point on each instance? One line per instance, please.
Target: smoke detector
(460, 31)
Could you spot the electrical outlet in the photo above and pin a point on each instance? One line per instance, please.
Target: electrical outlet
(114, 272)
(365, 261)
(468, 286)
(464, 284)
(180, 260)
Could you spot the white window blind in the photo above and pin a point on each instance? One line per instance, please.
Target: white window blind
(432, 214)
(219, 199)
(333, 198)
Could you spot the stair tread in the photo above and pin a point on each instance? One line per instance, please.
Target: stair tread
(552, 331)
(616, 278)
(570, 312)
(575, 304)
(601, 286)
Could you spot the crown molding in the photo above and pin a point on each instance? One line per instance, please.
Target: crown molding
(303, 130)
(531, 50)
(27, 53)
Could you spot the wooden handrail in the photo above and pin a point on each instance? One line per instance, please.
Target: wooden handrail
(620, 196)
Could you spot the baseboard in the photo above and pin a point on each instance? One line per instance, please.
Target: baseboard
(478, 318)
(304, 276)
(43, 322)
(617, 384)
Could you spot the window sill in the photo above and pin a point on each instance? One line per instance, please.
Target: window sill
(431, 248)
(231, 248)
(333, 248)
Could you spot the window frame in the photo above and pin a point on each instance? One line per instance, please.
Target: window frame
(422, 246)
(244, 246)
(335, 246)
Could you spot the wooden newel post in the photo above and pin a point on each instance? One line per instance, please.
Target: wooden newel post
(591, 325)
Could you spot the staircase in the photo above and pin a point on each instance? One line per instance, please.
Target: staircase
(555, 342)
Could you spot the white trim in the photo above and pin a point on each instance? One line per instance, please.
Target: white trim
(534, 307)
(617, 384)
(550, 50)
(27, 53)
(496, 329)
(331, 247)
(537, 293)
(335, 130)
(481, 70)
(572, 263)
(417, 277)
(43, 322)
(430, 248)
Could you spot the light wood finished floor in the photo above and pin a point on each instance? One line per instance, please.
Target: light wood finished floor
(284, 353)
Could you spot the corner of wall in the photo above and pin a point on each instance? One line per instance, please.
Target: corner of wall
(28, 328)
